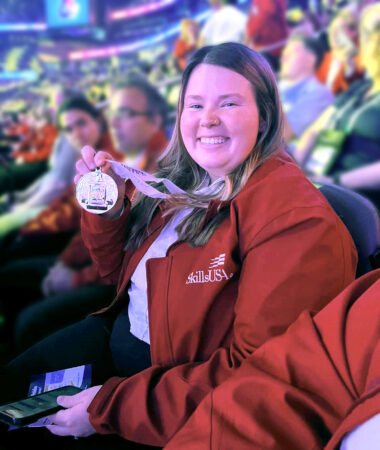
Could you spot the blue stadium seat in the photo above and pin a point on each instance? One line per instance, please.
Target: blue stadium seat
(361, 219)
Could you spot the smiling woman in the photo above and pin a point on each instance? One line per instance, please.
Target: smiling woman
(206, 276)
(219, 130)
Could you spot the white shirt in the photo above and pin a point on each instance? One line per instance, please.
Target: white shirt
(333, 72)
(138, 300)
(225, 25)
(138, 304)
(364, 437)
(303, 102)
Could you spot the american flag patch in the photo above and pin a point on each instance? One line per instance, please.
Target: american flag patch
(218, 261)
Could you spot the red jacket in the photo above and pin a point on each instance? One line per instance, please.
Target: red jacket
(21, 129)
(303, 390)
(40, 146)
(281, 250)
(181, 51)
(267, 24)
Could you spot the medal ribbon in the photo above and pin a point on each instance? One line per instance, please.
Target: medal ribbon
(139, 179)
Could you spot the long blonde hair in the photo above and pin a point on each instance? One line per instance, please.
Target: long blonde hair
(177, 165)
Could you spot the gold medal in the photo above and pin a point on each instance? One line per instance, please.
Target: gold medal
(96, 192)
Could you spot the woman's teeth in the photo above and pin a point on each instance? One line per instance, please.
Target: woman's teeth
(213, 140)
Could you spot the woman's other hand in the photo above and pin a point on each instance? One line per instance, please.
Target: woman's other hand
(59, 279)
(74, 419)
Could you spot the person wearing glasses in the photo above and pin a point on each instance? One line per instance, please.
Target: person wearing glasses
(206, 274)
(137, 116)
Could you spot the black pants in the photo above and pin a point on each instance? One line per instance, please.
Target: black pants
(98, 340)
(16, 246)
(104, 343)
(28, 317)
(15, 177)
(20, 282)
(47, 315)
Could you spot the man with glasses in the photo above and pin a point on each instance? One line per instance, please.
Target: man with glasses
(137, 116)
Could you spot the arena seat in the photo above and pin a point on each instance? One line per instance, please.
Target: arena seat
(361, 219)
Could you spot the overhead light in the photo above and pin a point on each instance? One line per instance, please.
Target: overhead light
(22, 27)
(134, 11)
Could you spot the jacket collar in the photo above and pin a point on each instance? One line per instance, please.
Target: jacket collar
(216, 205)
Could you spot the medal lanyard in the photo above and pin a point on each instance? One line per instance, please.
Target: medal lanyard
(139, 178)
(97, 192)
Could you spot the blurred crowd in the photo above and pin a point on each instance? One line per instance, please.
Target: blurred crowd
(327, 63)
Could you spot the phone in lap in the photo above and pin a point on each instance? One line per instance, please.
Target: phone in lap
(28, 410)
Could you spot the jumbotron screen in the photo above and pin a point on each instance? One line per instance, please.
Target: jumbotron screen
(67, 13)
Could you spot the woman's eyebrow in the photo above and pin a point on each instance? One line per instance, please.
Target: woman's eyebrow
(221, 97)
(193, 97)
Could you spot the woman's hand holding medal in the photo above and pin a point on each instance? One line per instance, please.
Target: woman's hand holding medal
(99, 188)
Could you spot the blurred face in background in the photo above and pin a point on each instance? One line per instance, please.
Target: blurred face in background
(23, 117)
(30, 120)
(80, 128)
(189, 30)
(297, 61)
(370, 42)
(342, 34)
(41, 117)
(131, 123)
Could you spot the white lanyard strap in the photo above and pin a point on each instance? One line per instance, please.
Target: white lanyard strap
(139, 179)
